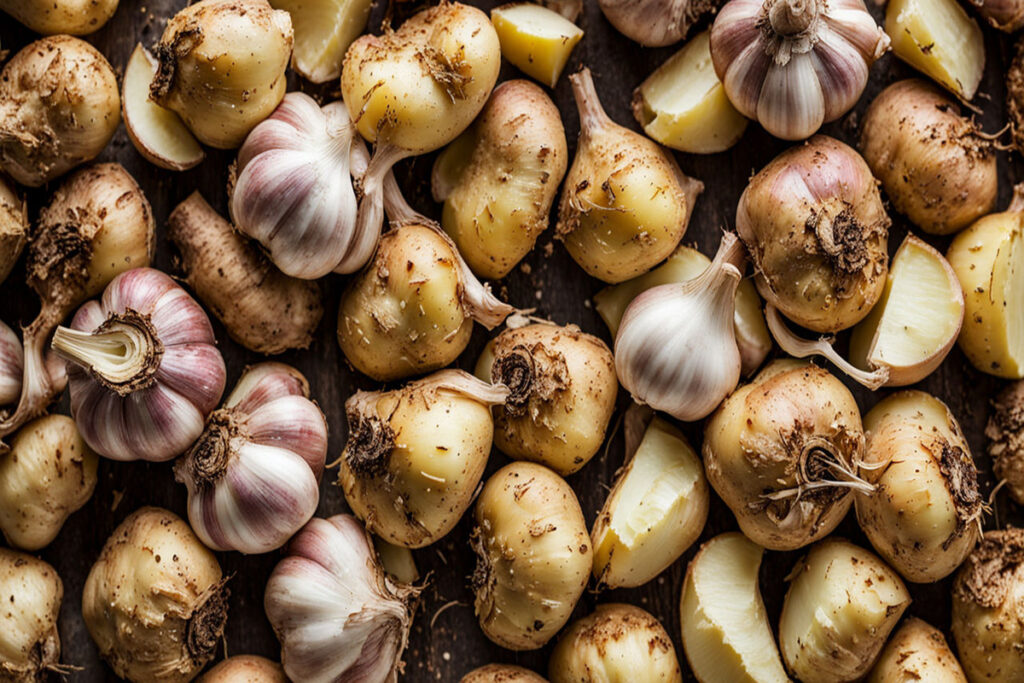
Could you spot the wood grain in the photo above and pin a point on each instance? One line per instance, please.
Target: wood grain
(446, 641)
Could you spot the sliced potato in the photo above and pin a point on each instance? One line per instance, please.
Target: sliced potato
(157, 133)
(916, 321)
(323, 31)
(535, 39)
(938, 38)
(683, 105)
(726, 635)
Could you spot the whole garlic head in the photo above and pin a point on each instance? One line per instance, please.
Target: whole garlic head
(294, 190)
(337, 614)
(31, 592)
(795, 64)
(253, 475)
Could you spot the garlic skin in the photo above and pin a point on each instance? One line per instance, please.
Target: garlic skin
(654, 23)
(793, 65)
(31, 592)
(676, 345)
(49, 473)
(253, 476)
(293, 193)
(411, 310)
(244, 669)
(816, 231)
(143, 368)
(222, 67)
(13, 227)
(562, 391)
(533, 555)
(12, 363)
(337, 615)
(626, 204)
(98, 224)
(155, 602)
(415, 455)
(782, 453)
(502, 673)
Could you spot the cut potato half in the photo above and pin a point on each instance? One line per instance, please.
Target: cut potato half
(535, 39)
(683, 105)
(938, 38)
(323, 31)
(686, 263)
(157, 133)
(656, 510)
(726, 635)
(916, 321)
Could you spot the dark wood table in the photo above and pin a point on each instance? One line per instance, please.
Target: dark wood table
(446, 644)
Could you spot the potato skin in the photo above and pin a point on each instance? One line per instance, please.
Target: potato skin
(934, 166)
(50, 17)
(502, 673)
(917, 652)
(533, 555)
(1005, 434)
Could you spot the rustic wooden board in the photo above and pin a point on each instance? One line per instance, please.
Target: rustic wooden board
(447, 643)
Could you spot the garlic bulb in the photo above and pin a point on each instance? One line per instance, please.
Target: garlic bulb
(49, 473)
(155, 602)
(144, 369)
(222, 67)
(244, 669)
(676, 346)
(31, 593)
(294, 190)
(655, 23)
(795, 64)
(415, 455)
(97, 225)
(337, 615)
(626, 204)
(13, 227)
(253, 476)
(12, 362)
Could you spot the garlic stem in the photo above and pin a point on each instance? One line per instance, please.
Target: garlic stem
(790, 17)
(592, 114)
(802, 348)
(124, 353)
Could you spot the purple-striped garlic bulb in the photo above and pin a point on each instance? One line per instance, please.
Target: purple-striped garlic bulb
(144, 368)
(338, 615)
(253, 476)
(11, 363)
(793, 65)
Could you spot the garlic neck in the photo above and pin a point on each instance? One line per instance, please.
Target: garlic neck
(207, 461)
(123, 354)
(791, 17)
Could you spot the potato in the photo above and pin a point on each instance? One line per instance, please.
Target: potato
(49, 17)
(917, 652)
(13, 227)
(501, 673)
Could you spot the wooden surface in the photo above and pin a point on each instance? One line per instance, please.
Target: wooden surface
(447, 643)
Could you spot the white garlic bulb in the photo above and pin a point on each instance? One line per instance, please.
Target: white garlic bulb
(795, 64)
(144, 369)
(294, 190)
(12, 360)
(253, 475)
(676, 347)
(337, 614)
(31, 592)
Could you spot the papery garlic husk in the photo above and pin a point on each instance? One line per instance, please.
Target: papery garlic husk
(917, 651)
(49, 473)
(31, 593)
(244, 669)
(415, 455)
(841, 605)
(626, 204)
(13, 227)
(816, 230)
(562, 391)
(294, 193)
(12, 364)
(533, 555)
(1005, 434)
(676, 345)
(143, 367)
(782, 453)
(617, 642)
(411, 310)
(262, 309)
(97, 225)
(925, 513)
(253, 475)
(655, 23)
(155, 601)
(793, 65)
(336, 613)
(502, 673)
(222, 67)
(1005, 15)
(988, 600)
(59, 107)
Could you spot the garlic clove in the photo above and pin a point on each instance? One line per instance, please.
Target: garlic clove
(535, 39)
(792, 98)
(301, 433)
(194, 371)
(157, 133)
(655, 23)
(323, 31)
